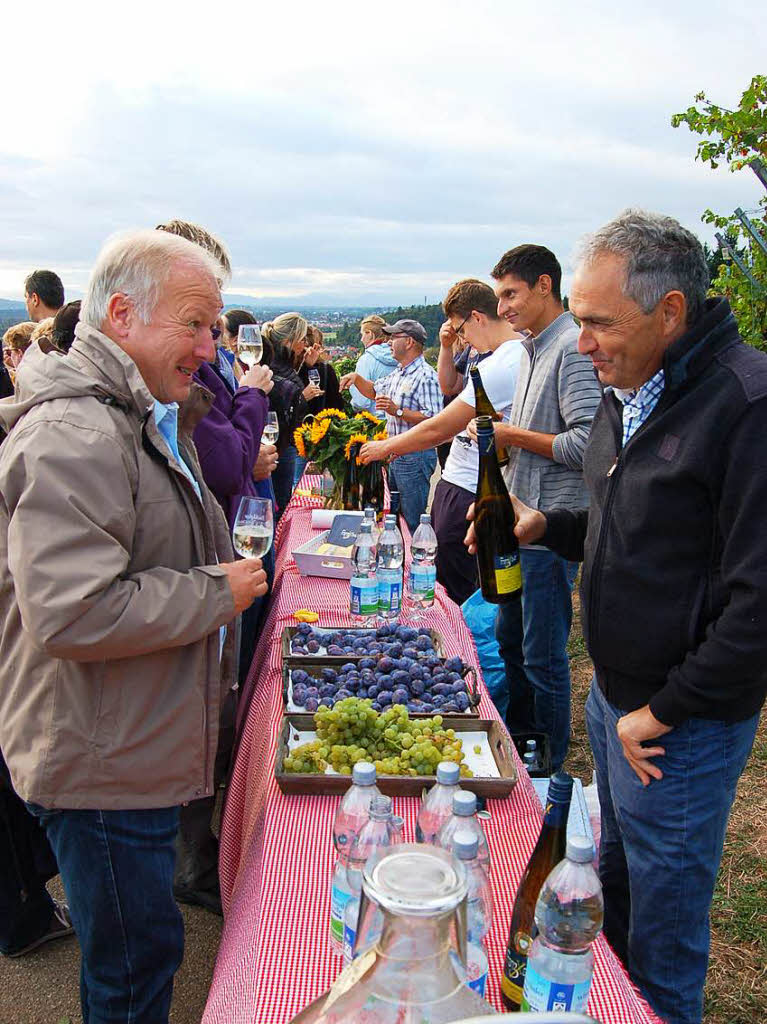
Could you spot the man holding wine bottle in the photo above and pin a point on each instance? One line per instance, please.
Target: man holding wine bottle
(117, 575)
(556, 396)
(673, 591)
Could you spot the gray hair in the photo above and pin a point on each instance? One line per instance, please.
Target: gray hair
(661, 256)
(137, 264)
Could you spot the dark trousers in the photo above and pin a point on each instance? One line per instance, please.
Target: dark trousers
(456, 568)
(26, 864)
(117, 869)
(282, 479)
(660, 850)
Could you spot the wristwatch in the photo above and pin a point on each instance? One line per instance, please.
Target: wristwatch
(398, 413)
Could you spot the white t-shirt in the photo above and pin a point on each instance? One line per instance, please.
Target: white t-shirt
(499, 379)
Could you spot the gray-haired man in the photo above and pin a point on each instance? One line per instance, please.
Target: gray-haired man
(116, 578)
(674, 587)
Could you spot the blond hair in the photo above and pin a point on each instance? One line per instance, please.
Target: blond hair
(200, 236)
(375, 324)
(43, 329)
(285, 329)
(19, 336)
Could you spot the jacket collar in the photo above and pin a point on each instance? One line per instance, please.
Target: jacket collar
(689, 355)
(111, 368)
(549, 334)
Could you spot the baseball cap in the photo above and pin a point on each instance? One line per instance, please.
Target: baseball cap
(412, 328)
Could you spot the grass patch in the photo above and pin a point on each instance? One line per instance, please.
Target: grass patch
(736, 986)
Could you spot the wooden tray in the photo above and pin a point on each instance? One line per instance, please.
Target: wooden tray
(315, 665)
(288, 658)
(401, 785)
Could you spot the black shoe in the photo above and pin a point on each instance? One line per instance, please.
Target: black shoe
(60, 926)
(208, 898)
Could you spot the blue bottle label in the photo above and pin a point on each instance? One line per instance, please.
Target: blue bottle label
(541, 994)
(338, 900)
(363, 595)
(389, 590)
(422, 581)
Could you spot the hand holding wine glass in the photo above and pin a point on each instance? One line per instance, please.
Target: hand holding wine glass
(258, 376)
(249, 345)
(253, 528)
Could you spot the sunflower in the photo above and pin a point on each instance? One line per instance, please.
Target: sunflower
(365, 415)
(354, 439)
(336, 414)
(298, 438)
(318, 431)
(380, 436)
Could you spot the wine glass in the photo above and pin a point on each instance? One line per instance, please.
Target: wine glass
(253, 527)
(314, 377)
(271, 428)
(250, 345)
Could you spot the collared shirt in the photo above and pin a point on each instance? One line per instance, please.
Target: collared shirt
(166, 418)
(639, 403)
(415, 386)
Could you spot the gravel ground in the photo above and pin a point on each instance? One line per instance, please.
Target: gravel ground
(44, 987)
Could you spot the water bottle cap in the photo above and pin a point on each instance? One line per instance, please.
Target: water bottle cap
(390, 519)
(448, 773)
(425, 519)
(465, 844)
(369, 511)
(464, 804)
(380, 807)
(364, 774)
(580, 849)
(531, 745)
(560, 788)
(529, 757)
(366, 526)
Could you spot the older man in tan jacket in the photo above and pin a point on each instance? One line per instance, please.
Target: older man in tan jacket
(116, 579)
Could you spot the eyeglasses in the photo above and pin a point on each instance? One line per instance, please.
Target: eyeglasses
(459, 330)
(215, 333)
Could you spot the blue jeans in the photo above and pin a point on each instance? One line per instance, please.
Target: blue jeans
(298, 469)
(660, 850)
(282, 479)
(532, 639)
(117, 869)
(411, 476)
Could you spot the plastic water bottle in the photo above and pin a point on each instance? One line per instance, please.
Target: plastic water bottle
(381, 831)
(479, 910)
(363, 590)
(351, 815)
(437, 805)
(391, 554)
(530, 760)
(569, 915)
(354, 809)
(423, 572)
(370, 517)
(464, 818)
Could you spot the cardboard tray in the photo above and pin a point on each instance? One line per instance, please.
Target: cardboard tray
(335, 567)
(299, 660)
(402, 785)
(313, 666)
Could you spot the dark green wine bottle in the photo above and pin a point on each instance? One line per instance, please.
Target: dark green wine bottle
(548, 852)
(484, 407)
(351, 493)
(500, 573)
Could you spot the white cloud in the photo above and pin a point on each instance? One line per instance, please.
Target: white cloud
(359, 149)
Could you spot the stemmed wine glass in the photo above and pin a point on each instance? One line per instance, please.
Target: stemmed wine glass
(253, 527)
(271, 428)
(250, 345)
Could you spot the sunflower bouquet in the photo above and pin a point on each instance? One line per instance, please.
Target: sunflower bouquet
(327, 439)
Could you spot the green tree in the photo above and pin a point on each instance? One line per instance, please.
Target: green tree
(738, 138)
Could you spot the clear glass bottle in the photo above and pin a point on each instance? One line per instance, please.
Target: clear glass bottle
(437, 805)
(409, 976)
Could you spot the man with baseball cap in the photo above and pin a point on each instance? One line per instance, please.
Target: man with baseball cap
(408, 395)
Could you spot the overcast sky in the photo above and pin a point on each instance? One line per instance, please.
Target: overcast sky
(358, 152)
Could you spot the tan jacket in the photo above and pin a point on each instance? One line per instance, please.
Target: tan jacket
(111, 597)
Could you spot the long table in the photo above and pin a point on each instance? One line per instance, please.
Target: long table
(276, 850)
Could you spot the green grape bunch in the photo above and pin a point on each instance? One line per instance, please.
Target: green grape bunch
(352, 730)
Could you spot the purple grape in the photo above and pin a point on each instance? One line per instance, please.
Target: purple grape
(454, 664)
(384, 698)
(462, 701)
(418, 687)
(400, 696)
(385, 664)
(458, 687)
(329, 675)
(327, 702)
(304, 628)
(335, 650)
(367, 663)
(311, 703)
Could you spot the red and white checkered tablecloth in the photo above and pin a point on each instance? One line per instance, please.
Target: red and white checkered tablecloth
(277, 854)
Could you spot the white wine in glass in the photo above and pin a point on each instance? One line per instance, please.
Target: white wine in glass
(250, 346)
(271, 429)
(253, 528)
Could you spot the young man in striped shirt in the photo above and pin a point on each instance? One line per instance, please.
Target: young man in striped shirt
(555, 400)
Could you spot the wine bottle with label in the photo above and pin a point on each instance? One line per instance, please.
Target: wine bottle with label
(548, 852)
(500, 572)
(484, 407)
